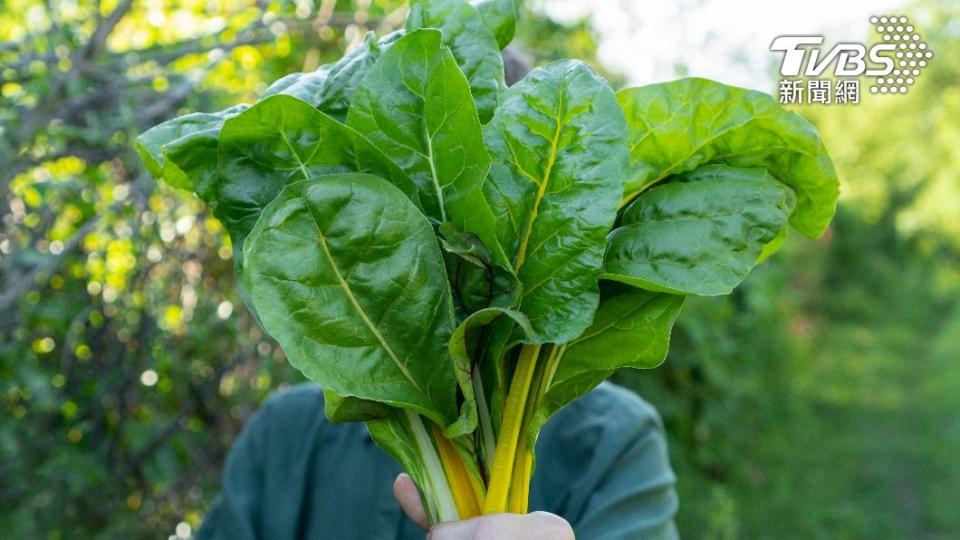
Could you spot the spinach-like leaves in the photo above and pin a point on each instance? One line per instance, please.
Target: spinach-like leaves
(182, 151)
(560, 159)
(454, 261)
(416, 106)
(281, 140)
(471, 42)
(346, 274)
(500, 16)
(330, 87)
(631, 329)
(699, 233)
(678, 126)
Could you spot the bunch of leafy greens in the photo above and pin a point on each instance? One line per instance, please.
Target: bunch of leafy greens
(454, 260)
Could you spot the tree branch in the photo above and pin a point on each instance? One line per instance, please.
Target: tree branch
(104, 29)
(51, 263)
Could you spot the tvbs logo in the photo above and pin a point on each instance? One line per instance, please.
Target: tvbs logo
(895, 60)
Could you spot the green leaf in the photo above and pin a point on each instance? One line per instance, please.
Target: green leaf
(345, 273)
(393, 435)
(477, 346)
(700, 233)
(472, 44)
(631, 329)
(678, 126)
(773, 246)
(500, 16)
(415, 105)
(351, 409)
(477, 281)
(463, 350)
(330, 87)
(307, 86)
(281, 140)
(405, 437)
(560, 160)
(183, 151)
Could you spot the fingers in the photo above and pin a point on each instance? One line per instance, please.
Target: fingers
(535, 526)
(405, 491)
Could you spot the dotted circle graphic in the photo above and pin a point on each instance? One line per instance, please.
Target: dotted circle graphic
(911, 54)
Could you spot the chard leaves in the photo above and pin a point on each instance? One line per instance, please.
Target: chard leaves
(415, 105)
(700, 233)
(350, 409)
(330, 87)
(345, 273)
(466, 348)
(500, 16)
(560, 158)
(477, 280)
(472, 44)
(631, 329)
(183, 151)
(281, 140)
(678, 126)
(402, 222)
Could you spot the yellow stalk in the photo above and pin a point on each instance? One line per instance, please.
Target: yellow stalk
(513, 414)
(522, 471)
(523, 462)
(462, 484)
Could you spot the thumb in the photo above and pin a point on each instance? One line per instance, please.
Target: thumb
(405, 491)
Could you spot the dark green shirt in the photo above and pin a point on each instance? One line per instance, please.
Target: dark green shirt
(601, 464)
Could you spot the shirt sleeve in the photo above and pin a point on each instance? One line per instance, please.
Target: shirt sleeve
(636, 499)
(607, 455)
(235, 513)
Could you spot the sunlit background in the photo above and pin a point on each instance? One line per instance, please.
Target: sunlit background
(822, 400)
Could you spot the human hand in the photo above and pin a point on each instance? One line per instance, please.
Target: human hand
(535, 526)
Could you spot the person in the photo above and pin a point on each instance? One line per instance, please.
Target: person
(602, 473)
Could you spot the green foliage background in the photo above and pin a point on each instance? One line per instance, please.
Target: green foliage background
(819, 401)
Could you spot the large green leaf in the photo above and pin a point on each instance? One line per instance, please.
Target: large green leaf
(472, 44)
(281, 140)
(346, 274)
(631, 329)
(678, 126)
(560, 160)
(415, 105)
(700, 233)
(500, 16)
(330, 87)
(183, 151)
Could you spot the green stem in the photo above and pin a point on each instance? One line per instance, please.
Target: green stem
(551, 369)
(488, 441)
(437, 496)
